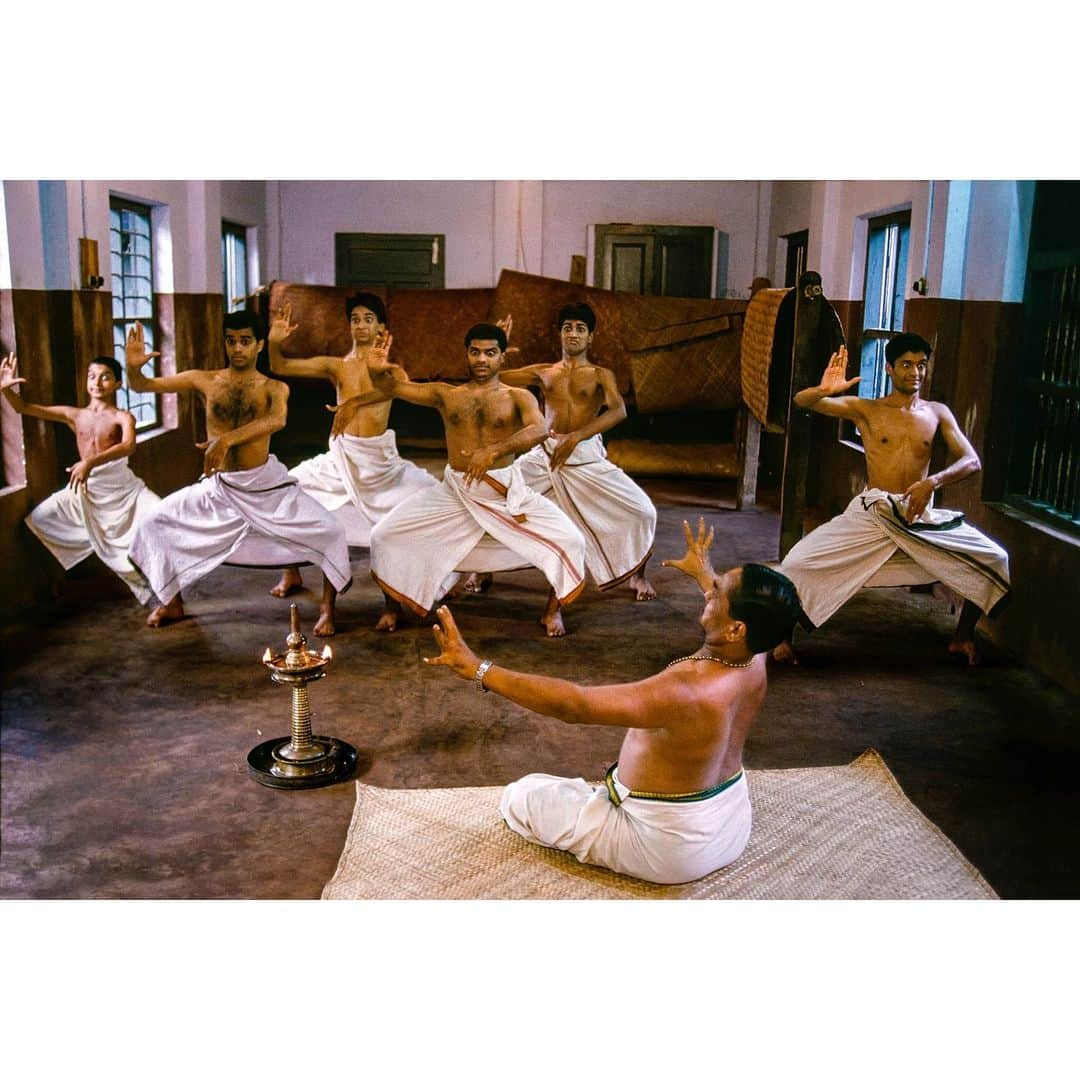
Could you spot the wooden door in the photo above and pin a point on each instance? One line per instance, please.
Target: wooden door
(654, 260)
(396, 260)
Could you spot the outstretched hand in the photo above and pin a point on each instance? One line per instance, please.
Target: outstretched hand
(8, 376)
(281, 324)
(453, 652)
(696, 563)
(135, 353)
(834, 379)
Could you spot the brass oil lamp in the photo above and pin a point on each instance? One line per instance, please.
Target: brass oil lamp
(302, 760)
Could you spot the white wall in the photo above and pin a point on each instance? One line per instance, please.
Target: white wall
(311, 212)
(528, 225)
(790, 212)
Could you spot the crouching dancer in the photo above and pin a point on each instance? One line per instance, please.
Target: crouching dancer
(98, 510)
(675, 806)
(245, 500)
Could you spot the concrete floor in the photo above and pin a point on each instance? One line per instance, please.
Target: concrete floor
(124, 750)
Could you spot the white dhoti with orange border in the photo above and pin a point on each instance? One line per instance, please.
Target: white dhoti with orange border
(617, 518)
(831, 563)
(254, 516)
(419, 547)
(97, 519)
(360, 479)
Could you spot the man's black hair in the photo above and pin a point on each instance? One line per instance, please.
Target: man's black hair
(905, 343)
(766, 602)
(112, 364)
(244, 320)
(579, 313)
(485, 331)
(371, 302)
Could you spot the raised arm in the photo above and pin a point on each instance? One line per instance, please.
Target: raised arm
(78, 472)
(823, 397)
(9, 379)
(523, 377)
(392, 381)
(613, 411)
(650, 703)
(696, 563)
(281, 326)
(217, 449)
(965, 462)
(136, 356)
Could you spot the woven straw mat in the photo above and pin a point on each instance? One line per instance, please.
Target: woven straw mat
(757, 343)
(842, 832)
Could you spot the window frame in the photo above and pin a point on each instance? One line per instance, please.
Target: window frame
(134, 401)
(232, 231)
(892, 275)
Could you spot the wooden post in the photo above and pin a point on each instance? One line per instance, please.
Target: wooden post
(817, 334)
(749, 454)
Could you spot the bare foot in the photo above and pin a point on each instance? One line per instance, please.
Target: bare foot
(553, 624)
(965, 648)
(290, 582)
(164, 614)
(784, 653)
(477, 583)
(643, 589)
(387, 621)
(325, 626)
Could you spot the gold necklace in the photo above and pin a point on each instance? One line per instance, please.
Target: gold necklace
(714, 659)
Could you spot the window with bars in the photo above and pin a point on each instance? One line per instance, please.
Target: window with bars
(234, 265)
(1044, 473)
(131, 255)
(887, 244)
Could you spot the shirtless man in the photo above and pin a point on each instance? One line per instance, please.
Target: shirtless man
(895, 512)
(675, 806)
(417, 548)
(571, 467)
(245, 498)
(98, 510)
(362, 477)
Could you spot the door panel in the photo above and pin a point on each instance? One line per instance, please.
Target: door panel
(398, 260)
(654, 260)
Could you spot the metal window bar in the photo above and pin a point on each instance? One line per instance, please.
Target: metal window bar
(132, 287)
(1049, 474)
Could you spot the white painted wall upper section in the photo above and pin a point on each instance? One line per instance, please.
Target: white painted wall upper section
(311, 212)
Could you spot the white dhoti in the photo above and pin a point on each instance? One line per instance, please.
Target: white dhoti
(97, 519)
(829, 565)
(360, 480)
(651, 839)
(197, 528)
(617, 518)
(417, 548)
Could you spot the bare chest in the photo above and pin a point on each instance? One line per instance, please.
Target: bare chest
(490, 412)
(95, 432)
(352, 379)
(231, 406)
(898, 431)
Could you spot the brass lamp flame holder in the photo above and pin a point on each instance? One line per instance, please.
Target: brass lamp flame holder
(302, 760)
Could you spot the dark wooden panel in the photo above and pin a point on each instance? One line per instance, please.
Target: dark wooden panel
(631, 266)
(402, 260)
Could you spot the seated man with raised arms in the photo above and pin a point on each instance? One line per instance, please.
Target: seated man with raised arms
(675, 806)
(245, 497)
(895, 512)
(98, 510)
(417, 548)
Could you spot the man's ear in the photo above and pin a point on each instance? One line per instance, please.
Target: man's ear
(735, 631)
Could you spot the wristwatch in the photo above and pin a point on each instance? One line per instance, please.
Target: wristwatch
(481, 671)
